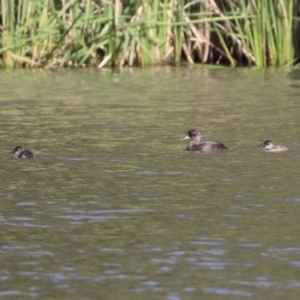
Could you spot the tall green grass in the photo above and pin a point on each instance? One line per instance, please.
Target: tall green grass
(264, 35)
(115, 33)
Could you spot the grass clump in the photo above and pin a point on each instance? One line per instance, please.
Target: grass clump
(115, 33)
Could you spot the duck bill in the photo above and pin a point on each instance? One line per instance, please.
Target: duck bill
(186, 137)
(261, 146)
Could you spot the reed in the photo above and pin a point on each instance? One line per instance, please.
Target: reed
(115, 33)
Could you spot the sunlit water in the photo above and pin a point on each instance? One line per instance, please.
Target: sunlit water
(113, 207)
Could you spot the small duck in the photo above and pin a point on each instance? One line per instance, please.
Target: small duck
(20, 152)
(196, 144)
(268, 146)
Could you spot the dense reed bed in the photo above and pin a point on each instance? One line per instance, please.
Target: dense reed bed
(115, 33)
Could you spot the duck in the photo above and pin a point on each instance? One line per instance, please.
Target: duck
(20, 152)
(196, 144)
(268, 146)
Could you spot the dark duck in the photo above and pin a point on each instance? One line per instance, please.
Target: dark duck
(197, 145)
(20, 152)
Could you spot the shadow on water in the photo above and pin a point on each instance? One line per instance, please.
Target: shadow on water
(113, 207)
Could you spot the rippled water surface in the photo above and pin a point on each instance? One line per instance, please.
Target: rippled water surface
(113, 207)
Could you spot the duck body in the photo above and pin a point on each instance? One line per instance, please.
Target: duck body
(20, 152)
(197, 145)
(268, 146)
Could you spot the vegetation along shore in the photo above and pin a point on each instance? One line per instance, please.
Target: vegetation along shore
(115, 33)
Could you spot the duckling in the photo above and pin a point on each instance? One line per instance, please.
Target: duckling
(268, 146)
(196, 144)
(20, 152)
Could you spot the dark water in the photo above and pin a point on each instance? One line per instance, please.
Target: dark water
(112, 207)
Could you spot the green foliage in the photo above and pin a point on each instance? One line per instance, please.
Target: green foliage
(115, 33)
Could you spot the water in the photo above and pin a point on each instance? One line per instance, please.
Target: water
(112, 207)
